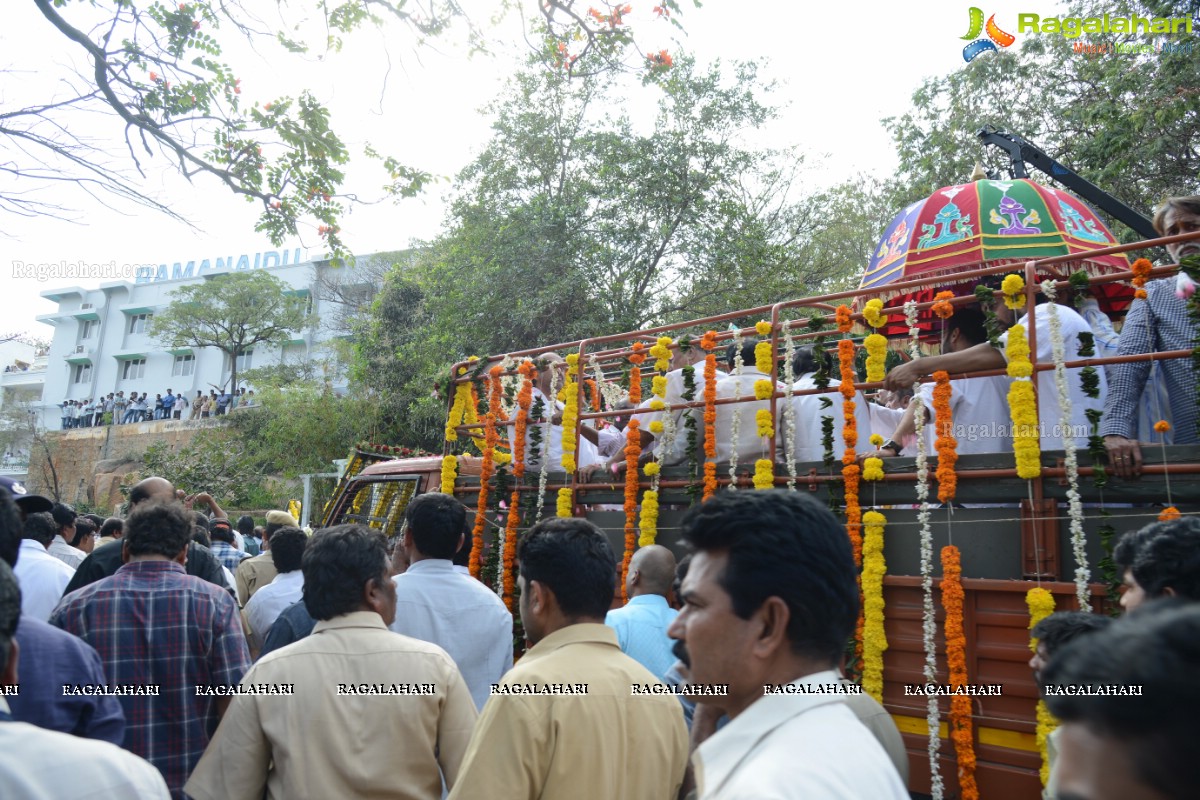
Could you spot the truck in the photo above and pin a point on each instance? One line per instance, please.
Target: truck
(1013, 534)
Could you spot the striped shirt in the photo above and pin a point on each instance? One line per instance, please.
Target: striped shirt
(1156, 324)
(155, 625)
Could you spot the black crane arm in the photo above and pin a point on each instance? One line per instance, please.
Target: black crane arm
(1022, 150)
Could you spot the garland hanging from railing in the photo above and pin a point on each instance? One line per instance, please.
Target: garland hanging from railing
(1022, 405)
(708, 342)
(874, 639)
(961, 722)
(633, 451)
(524, 401)
(1041, 605)
(789, 409)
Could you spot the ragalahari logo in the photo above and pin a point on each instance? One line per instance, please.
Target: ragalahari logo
(995, 35)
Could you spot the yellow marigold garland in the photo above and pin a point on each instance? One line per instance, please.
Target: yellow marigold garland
(564, 502)
(765, 422)
(1041, 605)
(449, 473)
(873, 469)
(462, 394)
(570, 415)
(1013, 289)
(764, 474)
(764, 356)
(1022, 405)
(873, 313)
(946, 444)
(876, 357)
(763, 389)
(961, 724)
(649, 518)
(874, 637)
(661, 353)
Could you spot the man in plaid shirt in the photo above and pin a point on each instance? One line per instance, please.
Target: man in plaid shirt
(1158, 323)
(161, 633)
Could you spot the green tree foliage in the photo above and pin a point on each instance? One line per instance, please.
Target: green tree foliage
(232, 312)
(301, 429)
(1128, 123)
(573, 223)
(214, 462)
(162, 72)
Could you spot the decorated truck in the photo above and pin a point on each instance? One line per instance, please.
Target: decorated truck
(980, 545)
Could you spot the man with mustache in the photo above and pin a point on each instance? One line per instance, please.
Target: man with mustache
(1158, 323)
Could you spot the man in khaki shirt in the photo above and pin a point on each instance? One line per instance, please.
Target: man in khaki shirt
(256, 572)
(565, 722)
(353, 710)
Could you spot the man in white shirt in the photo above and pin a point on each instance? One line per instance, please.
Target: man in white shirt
(985, 357)
(32, 761)
(549, 422)
(749, 446)
(287, 548)
(979, 406)
(43, 577)
(770, 600)
(436, 603)
(64, 518)
(808, 408)
(692, 358)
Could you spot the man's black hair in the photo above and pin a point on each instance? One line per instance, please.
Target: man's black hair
(435, 521)
(84, 527)
(1170, 558)
(96, 519)
(970, 322)
(338, 564)
(287, 548)
(681, 571)
(1061, 627)
(1126, 550)
(786, 545)
(269, 531)
(11, 532)
(112, 526)
(462, 558)
(10, 612)
(748, 346)
(806, 360)
(138, 494)
(63, 514)
(200, 535)
(245, 525)
(162, 529)
(220, 531)
(1157, 648)
(41, 527)
(201, 518)
(572, 558)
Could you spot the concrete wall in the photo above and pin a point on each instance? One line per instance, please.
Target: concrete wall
(91, 462)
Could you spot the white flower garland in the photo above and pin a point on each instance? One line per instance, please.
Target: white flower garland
(611, 392)
(789, 410)
(736, 422)
(1083, 575)
(543, 474)
(928, 620)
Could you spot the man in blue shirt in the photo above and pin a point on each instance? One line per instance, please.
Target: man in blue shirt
(168, 406)
(642, 624)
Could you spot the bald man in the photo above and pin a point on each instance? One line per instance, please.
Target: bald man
(107, 559)
(641, 625)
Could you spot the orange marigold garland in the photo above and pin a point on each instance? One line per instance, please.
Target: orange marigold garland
(961, 725)
(709, 342)
(850, 469)
(635, 374)
(942, 306)
(524, 401)
(946, 443)
(1141, 273)
(843, 318)
(633, 450)
(490, 438)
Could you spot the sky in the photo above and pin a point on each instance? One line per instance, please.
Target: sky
(840, 72)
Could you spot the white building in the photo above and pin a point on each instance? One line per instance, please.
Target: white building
(102, 343)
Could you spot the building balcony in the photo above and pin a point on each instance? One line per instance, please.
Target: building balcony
(81, 354)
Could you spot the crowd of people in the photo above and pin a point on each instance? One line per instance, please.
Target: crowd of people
(163, 660)
(117, 409)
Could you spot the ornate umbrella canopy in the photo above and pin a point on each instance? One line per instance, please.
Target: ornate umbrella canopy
(985, 223)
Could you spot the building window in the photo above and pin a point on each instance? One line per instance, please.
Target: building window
(133, 369)
(81, 373)
(138, 323)
(185, 365)
(87, 329)
(244, 360)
